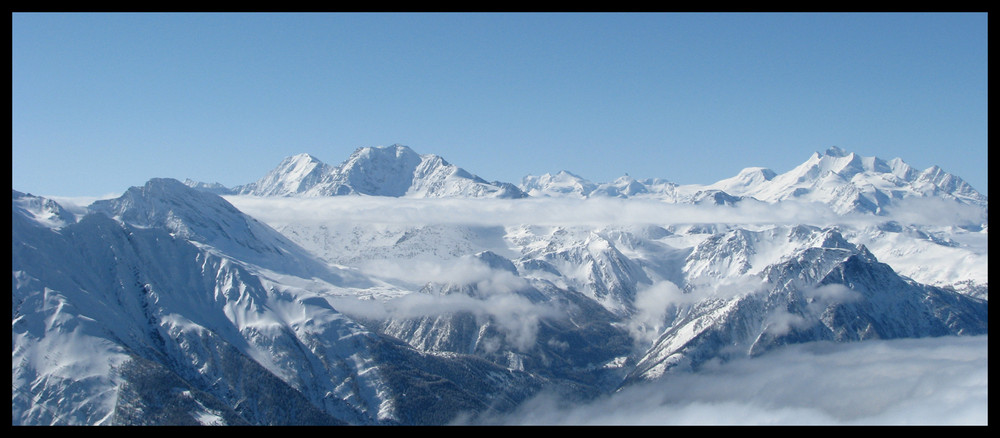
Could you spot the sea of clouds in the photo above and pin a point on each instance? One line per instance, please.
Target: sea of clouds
(929, 381)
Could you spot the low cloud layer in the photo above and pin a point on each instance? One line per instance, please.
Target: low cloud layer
(587, 212)
(930, 381)
(515, 316)
(540, 211)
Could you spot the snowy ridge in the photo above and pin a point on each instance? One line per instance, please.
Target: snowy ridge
(851, 183)
(846, 181)
(376, 171)
(833, 291)
(42, 211)
(158, 296)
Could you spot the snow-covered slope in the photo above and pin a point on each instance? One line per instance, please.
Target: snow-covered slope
(151, 316)
(98, 297)
(560, 184)
(213, 223)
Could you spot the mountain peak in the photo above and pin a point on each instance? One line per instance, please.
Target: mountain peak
(293, 175)
(395, 170)
(160, 202)
(302, 158)
(42, 211)
(849, 182)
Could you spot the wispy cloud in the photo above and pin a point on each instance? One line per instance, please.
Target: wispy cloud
(900, 382)
(495, 296)
(78, 204)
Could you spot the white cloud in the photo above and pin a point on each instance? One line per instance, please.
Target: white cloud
(422, 269)
(538, 211)
(651, 306)
(495, 296)
(780, 321)
(831, 293)
(935, 211)
(930, 381)
(585, 212)
(78, 204)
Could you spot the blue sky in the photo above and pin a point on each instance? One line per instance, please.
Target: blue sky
(102, 102)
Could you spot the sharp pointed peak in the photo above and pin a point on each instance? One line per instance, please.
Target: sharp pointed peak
(164, 183)
(300, 159)
(303, 156)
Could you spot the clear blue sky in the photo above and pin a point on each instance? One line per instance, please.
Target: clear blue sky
(102, 102)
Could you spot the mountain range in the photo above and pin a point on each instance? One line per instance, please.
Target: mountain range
(847, 182)
(278, 302)
(376, 171)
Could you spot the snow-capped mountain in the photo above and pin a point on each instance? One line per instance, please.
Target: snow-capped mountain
(825, 289)
(566, 184)
(213, 224)
(852, 183)
(377, 171)
(151, 316)
(847, 182)
(172, 304)
(561, 184)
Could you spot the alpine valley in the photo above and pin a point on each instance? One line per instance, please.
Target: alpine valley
(398, 289)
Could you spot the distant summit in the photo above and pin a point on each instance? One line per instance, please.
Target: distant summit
(846, 181)
(296, 175)
(395, 171)
(843, 180)
(849, 182)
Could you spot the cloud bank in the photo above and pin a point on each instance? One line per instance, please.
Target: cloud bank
(581, 212)
(535, 211)
(930, 381)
